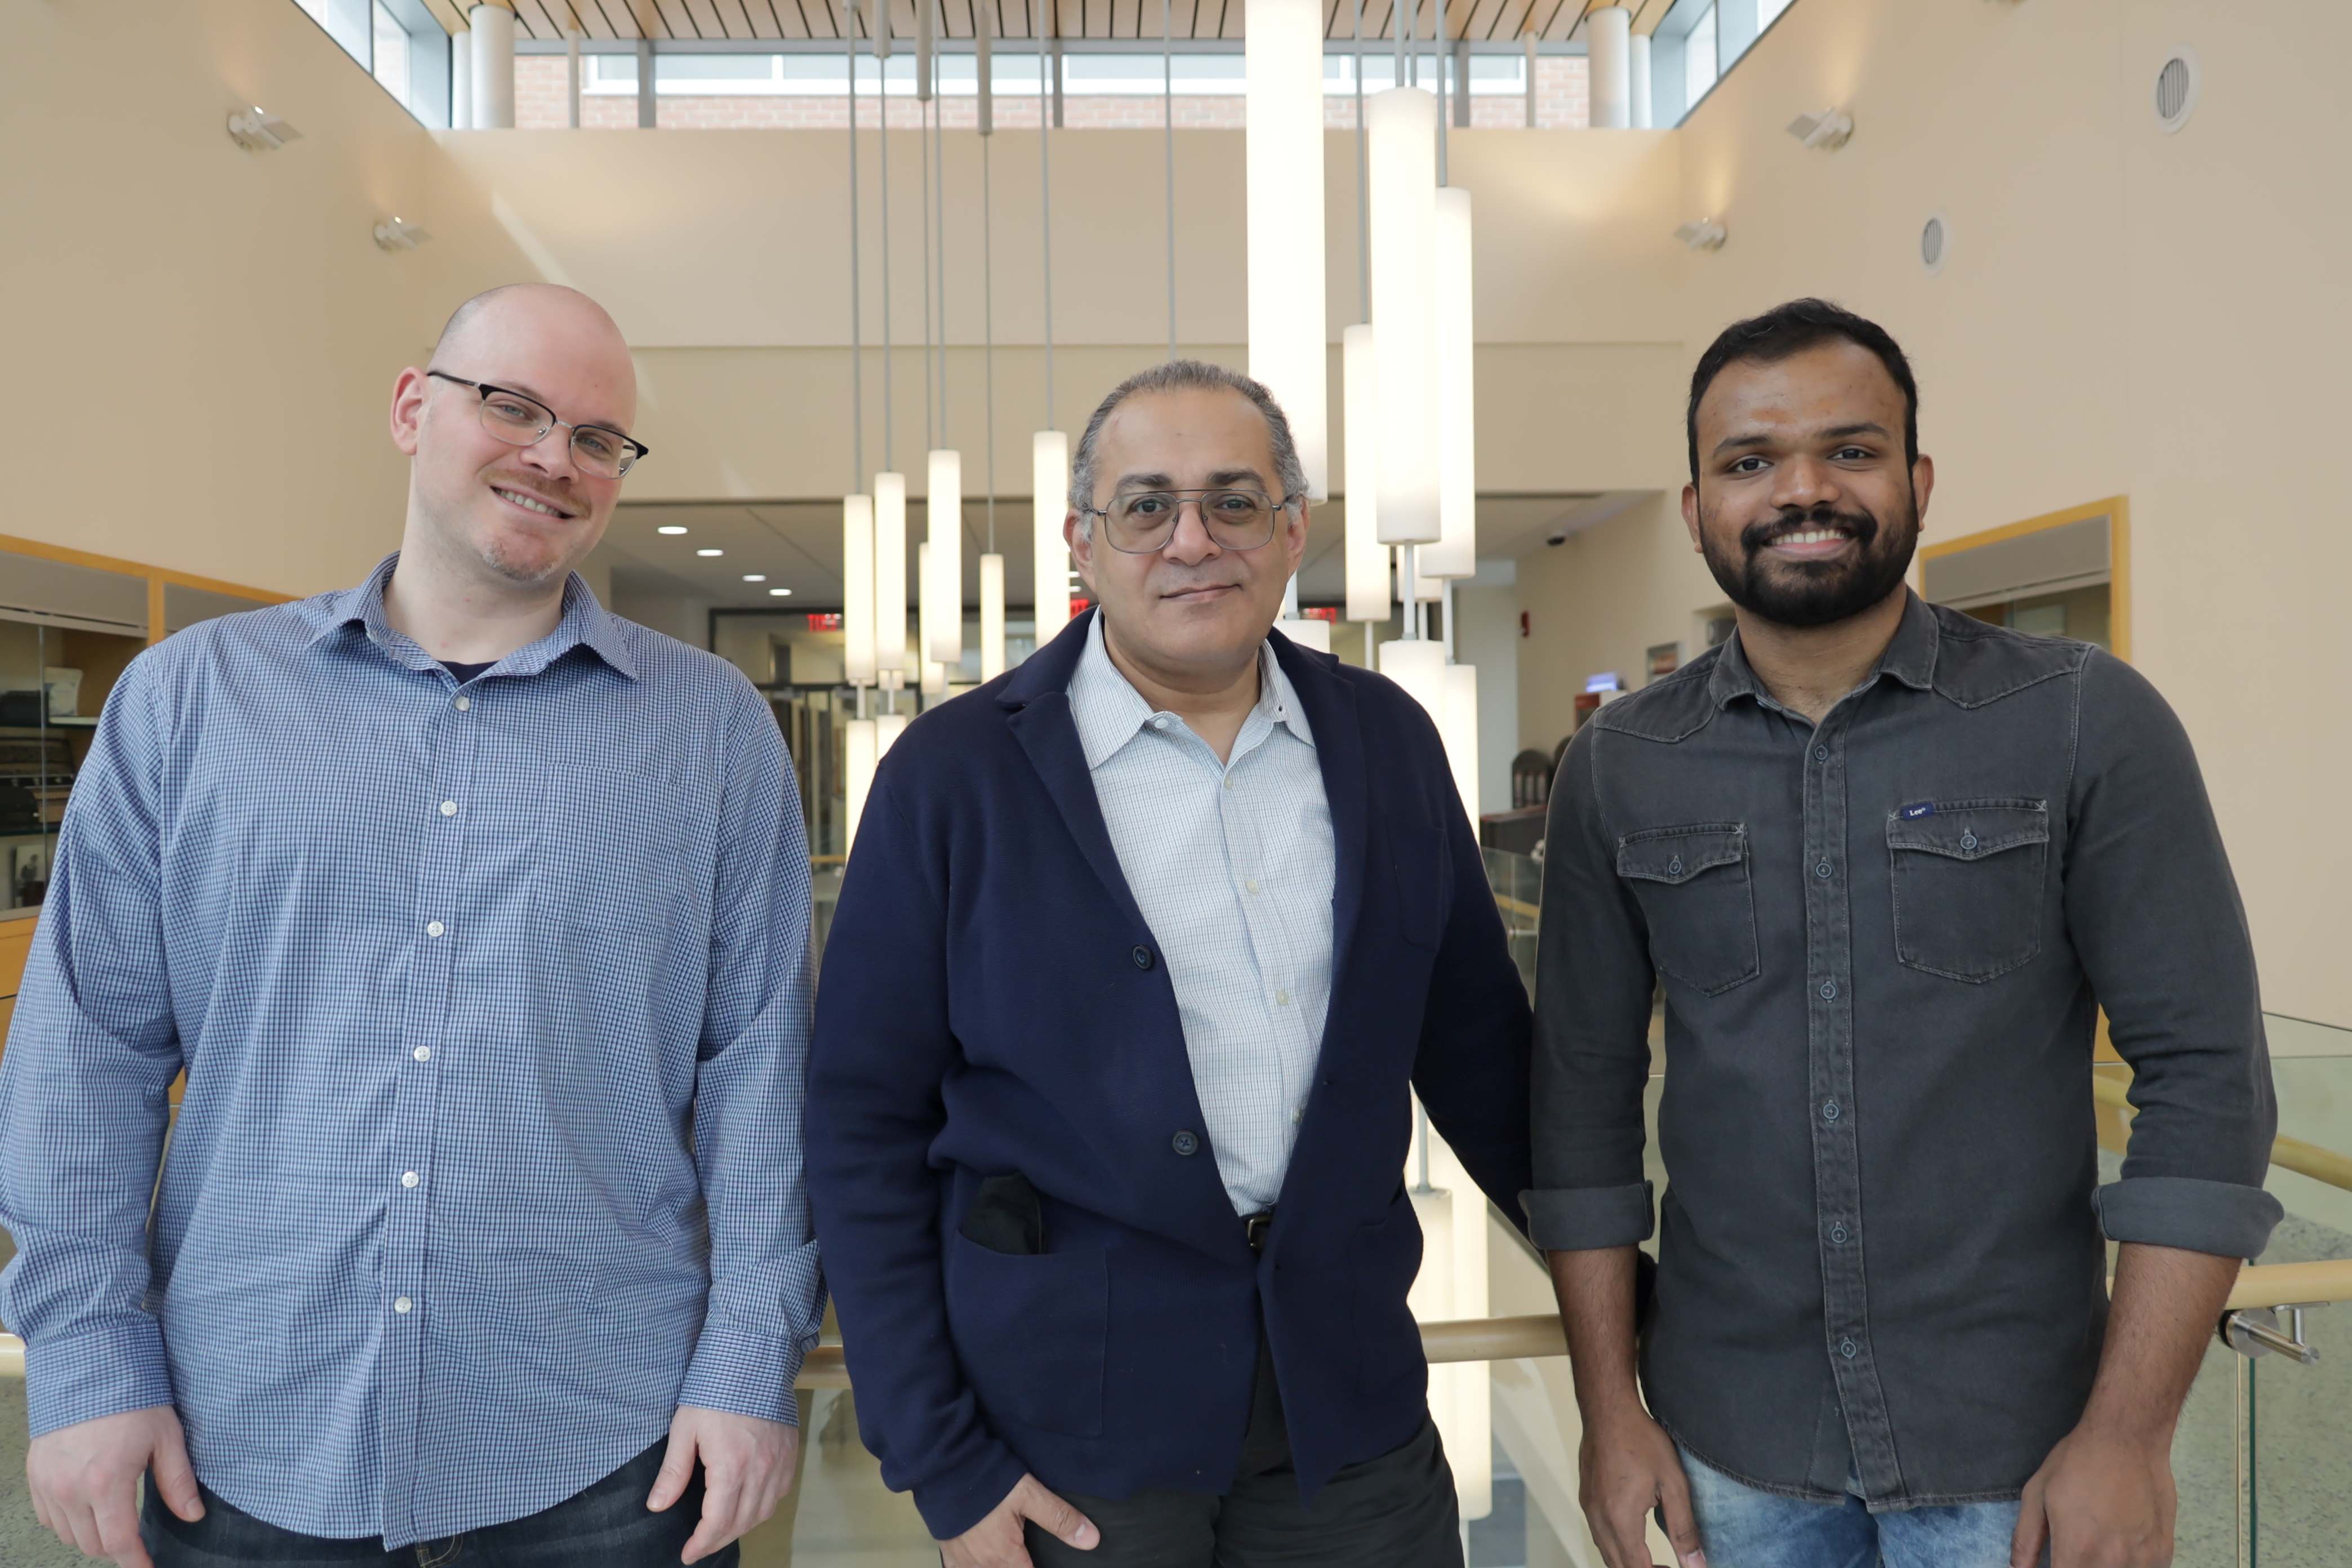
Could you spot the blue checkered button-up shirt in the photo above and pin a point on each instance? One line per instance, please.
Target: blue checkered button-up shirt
(494, 1004)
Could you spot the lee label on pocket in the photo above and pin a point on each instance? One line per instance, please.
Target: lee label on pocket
(1914, 812)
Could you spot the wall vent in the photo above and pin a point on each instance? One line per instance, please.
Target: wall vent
(1935, 243)
(2177, 81)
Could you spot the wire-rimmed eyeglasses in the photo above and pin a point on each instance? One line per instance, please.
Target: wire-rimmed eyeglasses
(523, 421)
(1142, 523)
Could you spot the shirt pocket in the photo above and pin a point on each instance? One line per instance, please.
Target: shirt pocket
(1967, 887)
(1698, 899)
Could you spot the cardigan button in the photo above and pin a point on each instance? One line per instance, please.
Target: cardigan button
(1142, 957)
(1185, 1143)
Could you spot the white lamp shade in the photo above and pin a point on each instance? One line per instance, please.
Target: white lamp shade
(888, 728)
(1369, 591)
(861, 750)
(1049, 477)
(1316, 634)
(935, 678)
(858, 591)
(1610, 32)
(992, 616)
(1282, 53)
(1455, 554)
(944, 507)
(889, 572)
(926, 615)
(1418, 665)
(1401, 127)
(1637, 56)
(1457, 725)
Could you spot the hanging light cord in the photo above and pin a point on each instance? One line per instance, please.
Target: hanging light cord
(1168, 104)
(1437, 62)
(988, 322)
(1046, 208)
(882, 112)
(940, 212)
(1363, 177)
(856, 319)
(923, 140)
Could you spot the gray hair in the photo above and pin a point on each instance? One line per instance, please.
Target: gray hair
(1179, 375)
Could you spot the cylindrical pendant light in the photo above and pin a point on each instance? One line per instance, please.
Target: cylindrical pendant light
(1404, 136)
(1455, 554)
(933, 672)
(992, 616)
(860, 752)
(944, 507)
(1457, 725)
(1609, 32)
(857, 609)
(1637, 68)
(1283, 149)
(1049, 477)
(888, 728)
(1418, 664)
(1366, 558)
(890, 571)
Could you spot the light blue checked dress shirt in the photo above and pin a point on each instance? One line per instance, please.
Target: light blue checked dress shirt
(1232, 866)
(494, 1003)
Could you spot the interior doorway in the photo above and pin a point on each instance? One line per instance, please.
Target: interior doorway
(2066, 573)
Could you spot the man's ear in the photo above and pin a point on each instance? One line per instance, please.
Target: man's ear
(1690, 513)
(408, 409)
(1082, 549)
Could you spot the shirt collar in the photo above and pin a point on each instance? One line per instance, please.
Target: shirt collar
(1910, 657)
(1109, 711)
(584, 624)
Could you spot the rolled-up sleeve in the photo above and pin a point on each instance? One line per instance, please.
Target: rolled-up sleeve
(2154, 914)
(1593, 985)
(90, 1055)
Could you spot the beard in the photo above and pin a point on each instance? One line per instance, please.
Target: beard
(1814, 593)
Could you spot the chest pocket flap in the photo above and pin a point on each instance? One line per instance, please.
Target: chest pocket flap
(1972, 832)
(1694, 888)
(1967, 885)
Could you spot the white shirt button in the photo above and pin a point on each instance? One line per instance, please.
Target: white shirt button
(400, 1304)
(1282, 998)
(434, 928)
(1229, 781)
(423, 1053)
(1297, 1117)
(1159, 723)
(407, 1178)
(465, 703)
(1250, 886)
(448, 808)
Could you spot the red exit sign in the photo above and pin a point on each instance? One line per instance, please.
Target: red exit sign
(824, 623)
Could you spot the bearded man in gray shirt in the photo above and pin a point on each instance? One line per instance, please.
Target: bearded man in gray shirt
(1890, 862)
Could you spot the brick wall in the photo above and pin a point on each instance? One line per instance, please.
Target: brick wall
(1561, 103)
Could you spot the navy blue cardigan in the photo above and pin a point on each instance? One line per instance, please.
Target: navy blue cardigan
(992, 1001)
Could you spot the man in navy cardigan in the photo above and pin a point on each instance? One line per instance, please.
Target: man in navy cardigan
(1141, 948)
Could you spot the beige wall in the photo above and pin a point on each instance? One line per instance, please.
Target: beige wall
(201, 340)
(2122, 313)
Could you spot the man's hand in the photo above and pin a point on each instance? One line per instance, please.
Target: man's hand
(997, 1540)
(747, 1465)
(2098, 1501)
(85, 1480)
(1627, 1465)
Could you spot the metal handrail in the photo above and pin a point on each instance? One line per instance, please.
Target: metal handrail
(1540, 1334)
(2288, 1153)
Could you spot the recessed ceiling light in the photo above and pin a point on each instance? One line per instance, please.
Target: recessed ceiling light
(710, 553)
(780, 592)
(755, 576)
(671, 528)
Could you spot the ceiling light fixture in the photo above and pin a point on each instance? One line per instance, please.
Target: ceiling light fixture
(1704, 235)
(671, 528)
(755, 576)
(1825, 132)
(257, 131)
(780, 592)
(710, 553)
(399, 234)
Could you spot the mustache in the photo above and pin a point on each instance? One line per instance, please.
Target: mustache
(1858, 526)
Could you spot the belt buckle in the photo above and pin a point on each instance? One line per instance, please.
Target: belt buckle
(1255, 1226)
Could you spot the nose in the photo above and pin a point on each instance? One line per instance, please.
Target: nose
(1189, 544)
(1803, 482)
(551, 454)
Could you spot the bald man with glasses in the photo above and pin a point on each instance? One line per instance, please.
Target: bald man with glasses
(478, 920)
(1141, 951)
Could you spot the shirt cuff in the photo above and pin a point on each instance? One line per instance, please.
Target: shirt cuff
(954, 1504)
(93, 1375)
(1581, 1219)
(743, 1373)
(2223, 1218)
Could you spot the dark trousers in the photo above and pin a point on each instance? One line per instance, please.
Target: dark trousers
(607, 1525)
(1395, 1511)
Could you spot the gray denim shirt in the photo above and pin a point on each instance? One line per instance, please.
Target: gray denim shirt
(1884, 944)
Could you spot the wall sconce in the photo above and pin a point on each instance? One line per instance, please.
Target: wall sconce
(257, 131)
(1704, 234)
(1825, 132)
(399, 234)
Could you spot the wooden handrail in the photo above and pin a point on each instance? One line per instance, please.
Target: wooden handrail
(2288, 1153)
(1516, 1339)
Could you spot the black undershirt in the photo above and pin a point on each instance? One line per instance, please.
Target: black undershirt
(465, 672)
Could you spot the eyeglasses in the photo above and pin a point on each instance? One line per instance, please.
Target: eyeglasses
(521, 421)
(1142, 524)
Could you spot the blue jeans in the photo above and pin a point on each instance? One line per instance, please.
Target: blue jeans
(1741, 1526)
(607, 1525)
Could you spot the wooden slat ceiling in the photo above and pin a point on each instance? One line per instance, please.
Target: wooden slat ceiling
(1136, 21)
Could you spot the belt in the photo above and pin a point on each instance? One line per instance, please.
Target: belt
(1255, 1227)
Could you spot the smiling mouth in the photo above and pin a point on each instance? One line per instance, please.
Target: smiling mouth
(1810, 542)
(526, 501)
(1194, 595)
